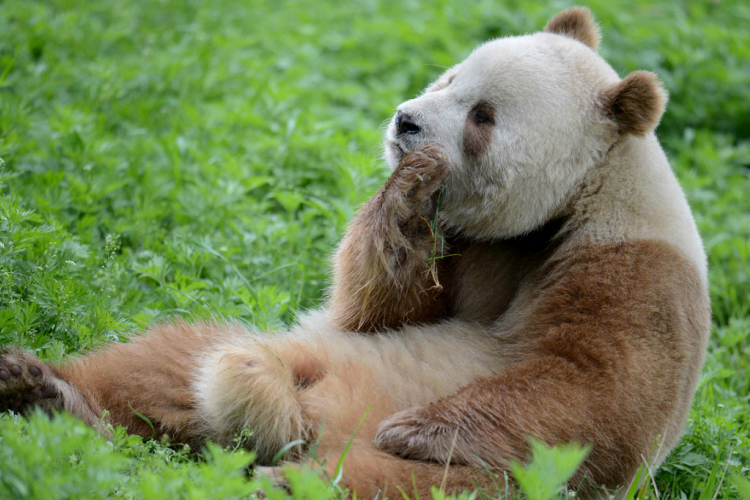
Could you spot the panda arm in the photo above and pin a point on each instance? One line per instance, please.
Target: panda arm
(607, 354)
(492, 419)
(490, 422)
(385, 271)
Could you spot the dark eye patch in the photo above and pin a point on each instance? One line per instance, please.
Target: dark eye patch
(482, 113)
(478, 129)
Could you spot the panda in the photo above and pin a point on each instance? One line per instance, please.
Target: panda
(531, 268)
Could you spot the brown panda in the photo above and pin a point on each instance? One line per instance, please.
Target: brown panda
(531, 268)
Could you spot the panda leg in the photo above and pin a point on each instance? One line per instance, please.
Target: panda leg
(373, 473)
(26, 383)
(189, 382)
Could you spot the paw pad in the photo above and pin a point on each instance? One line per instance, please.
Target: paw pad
(24, 382)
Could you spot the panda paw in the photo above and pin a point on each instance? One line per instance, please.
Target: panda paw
(420, 179)
(25, 382)
(422, 175)
(414, 434)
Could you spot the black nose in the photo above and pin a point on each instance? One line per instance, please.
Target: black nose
(405, 124)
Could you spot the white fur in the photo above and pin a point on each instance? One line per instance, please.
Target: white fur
(550, 140)
(242, 385)
(638, 198)
(385, 373)
(544, 88)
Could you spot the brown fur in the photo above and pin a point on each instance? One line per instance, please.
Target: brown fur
(608, 343)
(375, 474)
(151, 376)
(615, 340)
(478, 129)
(336, 406)
(604, 344)
(608, 333)
(377, 287)
(372, 472)
(382, 273)
(636, 103)
(499, 266)
(576, 23)
(26, 382)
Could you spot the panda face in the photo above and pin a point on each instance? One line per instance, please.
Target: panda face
(520, 124)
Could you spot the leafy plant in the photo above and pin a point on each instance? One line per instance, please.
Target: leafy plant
(549, 470)
(202, 159)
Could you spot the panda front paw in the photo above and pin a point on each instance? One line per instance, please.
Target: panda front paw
(420, 179)
(26, 382)
(415, 435)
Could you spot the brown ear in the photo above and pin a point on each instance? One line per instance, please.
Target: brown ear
(636, 103)
(576, 23)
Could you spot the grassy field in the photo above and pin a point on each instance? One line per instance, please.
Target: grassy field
(178, 157)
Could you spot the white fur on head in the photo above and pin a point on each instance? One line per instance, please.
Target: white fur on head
(525, 121)
(520, 123)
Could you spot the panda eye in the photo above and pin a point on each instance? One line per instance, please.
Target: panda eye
(482, 114)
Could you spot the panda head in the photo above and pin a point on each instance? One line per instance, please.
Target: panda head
(522, 120)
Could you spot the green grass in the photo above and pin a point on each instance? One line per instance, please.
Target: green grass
(171, 157)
